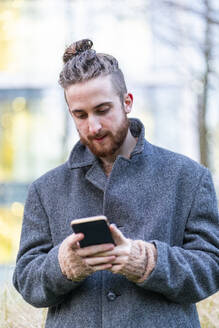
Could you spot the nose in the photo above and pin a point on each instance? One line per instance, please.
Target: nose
(94, 125)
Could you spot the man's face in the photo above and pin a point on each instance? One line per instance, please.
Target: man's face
(100, 117)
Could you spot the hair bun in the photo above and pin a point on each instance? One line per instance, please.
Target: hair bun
(76, 48)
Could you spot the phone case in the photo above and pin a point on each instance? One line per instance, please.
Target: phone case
(95, 229)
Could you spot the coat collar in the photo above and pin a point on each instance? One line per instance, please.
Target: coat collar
(81, 156)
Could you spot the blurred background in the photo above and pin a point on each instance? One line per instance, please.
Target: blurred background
(168, 51)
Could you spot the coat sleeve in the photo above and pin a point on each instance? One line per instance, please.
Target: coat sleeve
(191, 273)
(37, 276)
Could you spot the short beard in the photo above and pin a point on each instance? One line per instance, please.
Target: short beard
(116, 141)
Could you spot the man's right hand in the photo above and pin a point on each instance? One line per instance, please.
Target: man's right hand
(77, 263)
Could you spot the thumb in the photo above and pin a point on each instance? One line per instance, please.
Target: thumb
(73, 239)
(117, 235)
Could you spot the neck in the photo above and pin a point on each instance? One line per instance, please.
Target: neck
(125, 150)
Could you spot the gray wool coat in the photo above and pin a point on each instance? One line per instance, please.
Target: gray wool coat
(157, 196)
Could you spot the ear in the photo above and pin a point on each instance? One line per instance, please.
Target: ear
(128, 102)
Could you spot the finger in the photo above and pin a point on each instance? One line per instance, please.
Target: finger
(74, 239)
(91, 250)
(116, 268)
(101, 267)
(78, 245)
(115, 252)
(120, 260)
(103, 254)
(99, 260)
(117, 235)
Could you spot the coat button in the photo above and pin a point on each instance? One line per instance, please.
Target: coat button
(111, 296)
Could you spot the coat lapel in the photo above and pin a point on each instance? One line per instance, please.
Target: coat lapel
(96, 176)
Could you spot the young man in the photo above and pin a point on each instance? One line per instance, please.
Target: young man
(162, 205)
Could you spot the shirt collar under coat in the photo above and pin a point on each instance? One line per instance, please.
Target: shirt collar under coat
(81, 155)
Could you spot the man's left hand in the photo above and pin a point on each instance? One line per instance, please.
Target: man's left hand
(121, 251)
(131, 256)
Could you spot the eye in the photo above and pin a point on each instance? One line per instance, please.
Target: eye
(103, 110)
(79, 115)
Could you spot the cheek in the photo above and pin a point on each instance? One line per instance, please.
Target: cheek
(81, 128)
(111, 121)
(115, 121)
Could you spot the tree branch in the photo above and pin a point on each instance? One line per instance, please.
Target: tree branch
(209, 18)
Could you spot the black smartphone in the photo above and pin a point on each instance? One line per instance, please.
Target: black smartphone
(95, 229)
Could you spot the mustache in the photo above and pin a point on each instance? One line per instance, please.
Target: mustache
(97, 136)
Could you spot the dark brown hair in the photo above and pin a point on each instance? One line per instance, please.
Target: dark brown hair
(82, 63)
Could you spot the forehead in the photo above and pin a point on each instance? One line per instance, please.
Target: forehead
(91, 92)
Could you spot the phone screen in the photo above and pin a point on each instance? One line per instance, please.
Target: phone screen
(95, 229)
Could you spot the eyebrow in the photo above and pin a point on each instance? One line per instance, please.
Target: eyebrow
(96, 107)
